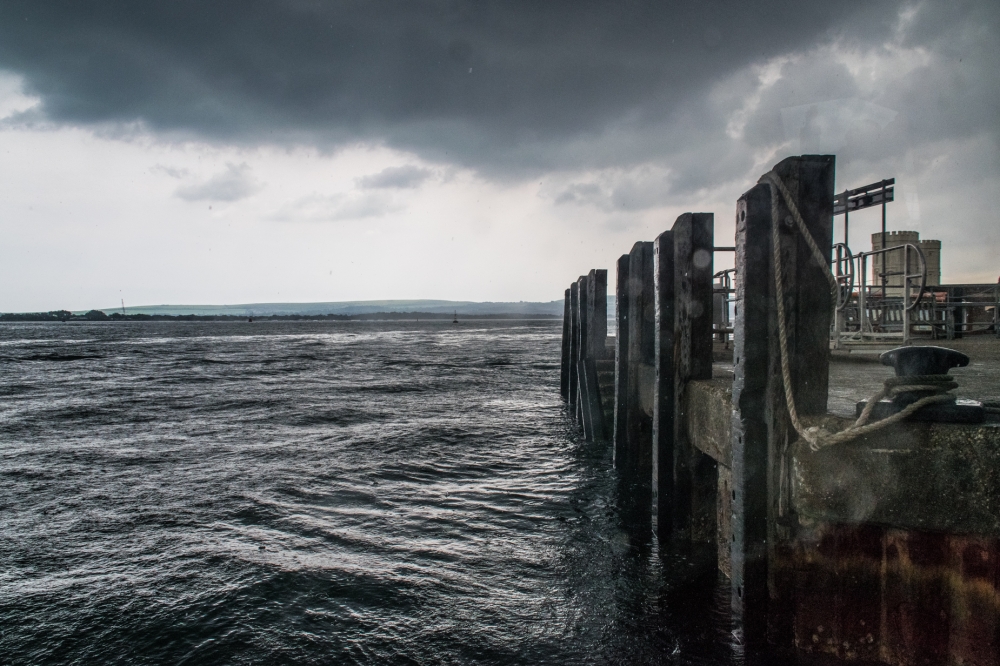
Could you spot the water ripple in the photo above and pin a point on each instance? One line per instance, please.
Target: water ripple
(315, 492)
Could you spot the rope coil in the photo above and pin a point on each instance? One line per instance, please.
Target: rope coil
(935, 385)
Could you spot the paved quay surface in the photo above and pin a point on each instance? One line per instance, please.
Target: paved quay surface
(858, 375)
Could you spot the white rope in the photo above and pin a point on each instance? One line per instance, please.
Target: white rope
(820, 439)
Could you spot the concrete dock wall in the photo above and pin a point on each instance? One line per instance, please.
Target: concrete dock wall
(881, 549)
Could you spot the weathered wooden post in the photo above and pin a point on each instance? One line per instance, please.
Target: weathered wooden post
(564, 365)
(594, 348)
(583, 344)
(695, 473)
(642, 374)
(761, 432)
(663, 390)
(619, 431)
(574, 351)
(597, 313)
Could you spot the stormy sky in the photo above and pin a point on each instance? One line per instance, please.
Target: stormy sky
(232, 152)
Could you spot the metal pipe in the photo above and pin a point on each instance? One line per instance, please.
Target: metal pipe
(883, 237)
(846, 240)
(906, 293)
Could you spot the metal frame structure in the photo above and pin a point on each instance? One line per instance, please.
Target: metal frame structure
(723, 290)
(871, 310)
(882, 315)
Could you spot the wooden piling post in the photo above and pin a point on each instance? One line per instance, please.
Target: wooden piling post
(663, 391)
(595, 350)
(583, 345)
(619, 430)
(694, 472)
(761, 432)
(574, 351)
(564, 365)
(642, 374)
(597, 313)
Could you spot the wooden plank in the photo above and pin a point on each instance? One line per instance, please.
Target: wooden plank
(761, 431)
(754, 300)
(597, 313)
(586, 400)
(564, 361)
(620, 432)
(663, 392)
(574, 353)
(581, 345)
(641, 355)
(810, 179)
(694, 242)
(594, 411)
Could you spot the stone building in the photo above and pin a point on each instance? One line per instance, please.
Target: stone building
(931, 250)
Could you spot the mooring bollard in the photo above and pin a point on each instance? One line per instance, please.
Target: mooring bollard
(761, 432)
(663, 390)
(619, 430)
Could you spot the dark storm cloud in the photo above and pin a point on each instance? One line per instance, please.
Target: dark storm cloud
(952, 92)
(496, 86)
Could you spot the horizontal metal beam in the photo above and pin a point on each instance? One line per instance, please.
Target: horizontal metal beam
(874, 194)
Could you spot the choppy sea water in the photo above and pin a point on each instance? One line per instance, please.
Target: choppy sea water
(312, 492)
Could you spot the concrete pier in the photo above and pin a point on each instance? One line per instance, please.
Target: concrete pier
(882, 549)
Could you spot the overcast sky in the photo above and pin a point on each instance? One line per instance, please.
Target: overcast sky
(253, 151)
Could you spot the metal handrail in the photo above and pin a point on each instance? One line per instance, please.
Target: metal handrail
(840, 263)
(907, 249)
(726, 278)
(852, 270)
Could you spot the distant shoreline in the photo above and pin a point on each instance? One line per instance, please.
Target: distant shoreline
(98, 315)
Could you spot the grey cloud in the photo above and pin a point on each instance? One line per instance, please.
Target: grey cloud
(622, 191)
(336, 208)
(364, 207)
(173, 172)
(507, 88)
(233, 184)
(952, 92)
(581, 193)
(823, 127)
(401, 177)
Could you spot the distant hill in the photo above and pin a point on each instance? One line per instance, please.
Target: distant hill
(352, 308)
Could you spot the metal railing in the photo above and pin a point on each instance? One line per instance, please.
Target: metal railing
(722, 301)
(878, 305)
